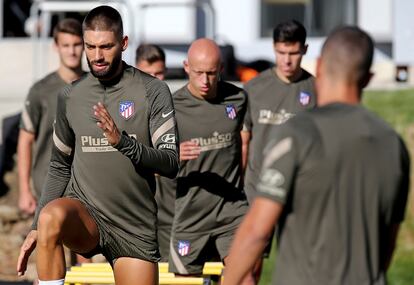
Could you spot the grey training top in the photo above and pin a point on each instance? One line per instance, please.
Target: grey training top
(118, 183)
(209, 189)
(271, 103)
(37, 118)
(342, 175)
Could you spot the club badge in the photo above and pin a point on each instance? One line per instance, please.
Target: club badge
(183, 247)
(231, 111)
(304, 98)
(126, 109)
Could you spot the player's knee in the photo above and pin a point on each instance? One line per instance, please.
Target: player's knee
(50, 223)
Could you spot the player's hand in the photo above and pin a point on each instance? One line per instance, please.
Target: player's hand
(27, 248)
(189, 150)
(27, 202)
(107, 124)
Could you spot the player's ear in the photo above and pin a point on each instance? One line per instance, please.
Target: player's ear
(367, 79)
(124, 43)
(304, 49)
(318, 67)
(186, 67)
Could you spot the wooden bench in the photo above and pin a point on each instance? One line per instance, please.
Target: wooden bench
(101, 273)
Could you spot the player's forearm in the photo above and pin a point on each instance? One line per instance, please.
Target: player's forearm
(24, 162)
(164, 162)
(245, 137)
(251, 238)
(245, 251)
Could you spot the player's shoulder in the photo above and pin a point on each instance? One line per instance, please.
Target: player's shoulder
(262, 78)
(181, 93)
(45, 81)
(378, 125)
(78, 84)
(80, 79)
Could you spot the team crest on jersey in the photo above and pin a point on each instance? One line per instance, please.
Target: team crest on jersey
(231, 111)
(183, 247)
(126, 109)
(304, 98)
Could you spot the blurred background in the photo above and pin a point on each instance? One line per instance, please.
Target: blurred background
(243, 28)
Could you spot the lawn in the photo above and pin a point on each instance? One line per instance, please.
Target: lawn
(397, 108)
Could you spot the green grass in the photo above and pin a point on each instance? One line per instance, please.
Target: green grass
(397, 108)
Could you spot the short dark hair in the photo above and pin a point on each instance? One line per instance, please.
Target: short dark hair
(289, 32)
(68, 26)
(348, 53)
(104, 18)
(150, 53)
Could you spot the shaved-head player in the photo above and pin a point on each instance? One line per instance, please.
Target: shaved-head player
(210, 202)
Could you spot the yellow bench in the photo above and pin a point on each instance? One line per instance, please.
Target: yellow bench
(101, 273)
(210, 268)
(163, 280)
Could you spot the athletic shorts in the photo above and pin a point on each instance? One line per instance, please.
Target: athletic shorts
(189, 252)
(164, 235)
(114, 242)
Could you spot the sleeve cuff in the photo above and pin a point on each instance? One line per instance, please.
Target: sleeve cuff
(123, 141)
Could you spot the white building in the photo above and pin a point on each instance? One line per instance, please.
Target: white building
(245, 24)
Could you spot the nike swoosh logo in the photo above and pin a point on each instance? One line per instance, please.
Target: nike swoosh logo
(164, 115)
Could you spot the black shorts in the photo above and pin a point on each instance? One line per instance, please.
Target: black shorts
(189, 252)
(114, 242)
(164, 236)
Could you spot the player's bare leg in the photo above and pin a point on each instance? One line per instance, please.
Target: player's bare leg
(63, 221)
(129, 270)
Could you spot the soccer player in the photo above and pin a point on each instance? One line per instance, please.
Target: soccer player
(275, 96)
(335, 180)
(150, 58)
(210, 202)
(108, 143)
(36, 125)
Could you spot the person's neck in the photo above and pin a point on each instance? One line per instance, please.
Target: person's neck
(288, 79)
(68, 74)
(338, 92)
(114, 78)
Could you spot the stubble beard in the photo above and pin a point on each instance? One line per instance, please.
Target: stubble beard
(108, 73)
